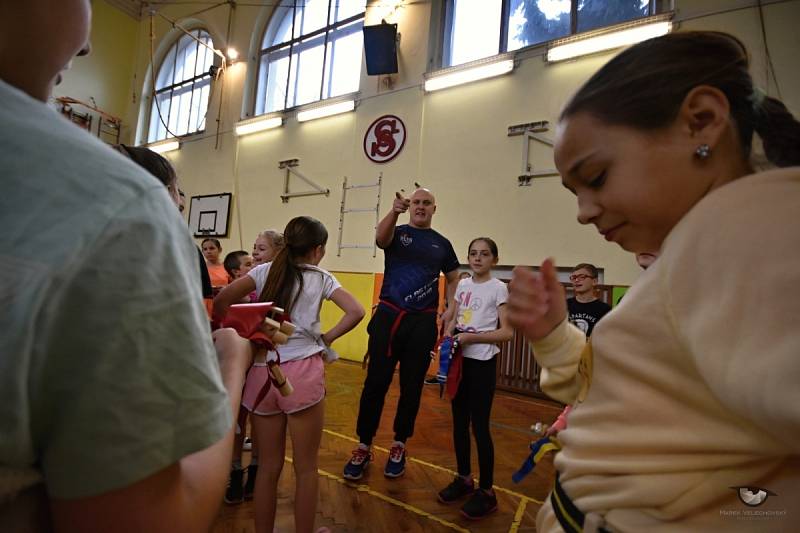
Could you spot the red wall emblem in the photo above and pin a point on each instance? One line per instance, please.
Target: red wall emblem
(384, 139)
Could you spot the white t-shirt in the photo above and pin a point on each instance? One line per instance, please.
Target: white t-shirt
(477, 312)
(318, 285)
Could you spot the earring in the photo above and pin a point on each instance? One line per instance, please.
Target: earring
(703, 151)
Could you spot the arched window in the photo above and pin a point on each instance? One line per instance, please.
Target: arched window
(311, 51)
(182, 87)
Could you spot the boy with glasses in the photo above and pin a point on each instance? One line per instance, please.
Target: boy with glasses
(584, 309)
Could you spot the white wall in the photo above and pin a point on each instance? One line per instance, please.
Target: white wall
(457, 143)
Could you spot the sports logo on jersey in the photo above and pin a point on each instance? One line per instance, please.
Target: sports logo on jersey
(405, 239)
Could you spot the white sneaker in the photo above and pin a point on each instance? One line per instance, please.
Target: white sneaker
(248, 444)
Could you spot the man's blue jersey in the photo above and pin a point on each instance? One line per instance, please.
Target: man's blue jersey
(412, 264)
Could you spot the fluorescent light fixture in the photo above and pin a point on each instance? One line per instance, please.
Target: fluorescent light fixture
(326, 110)
(465, 74)
(258, 124)
(578, 46)
(165, 146)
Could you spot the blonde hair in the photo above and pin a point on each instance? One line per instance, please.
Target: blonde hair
(274, 237)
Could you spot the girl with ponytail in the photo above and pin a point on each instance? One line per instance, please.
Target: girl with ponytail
(293, 281)
(686, 396)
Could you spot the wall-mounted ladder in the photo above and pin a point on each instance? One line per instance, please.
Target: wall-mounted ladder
(343, 210)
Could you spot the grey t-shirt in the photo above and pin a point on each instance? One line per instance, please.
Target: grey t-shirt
(107, 369)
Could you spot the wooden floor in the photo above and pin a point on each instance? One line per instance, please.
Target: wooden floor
(378, 504)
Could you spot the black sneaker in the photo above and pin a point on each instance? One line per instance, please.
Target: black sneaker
(250, 485)
(480, 505)
(456, 490)
(234, 492)
(431, 381)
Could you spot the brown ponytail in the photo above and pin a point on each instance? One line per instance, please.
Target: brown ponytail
(285, 278)
(779, 132)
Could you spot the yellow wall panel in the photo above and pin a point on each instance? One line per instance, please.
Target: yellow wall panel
(353, 345)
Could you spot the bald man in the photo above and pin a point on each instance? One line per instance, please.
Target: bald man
(403, 328)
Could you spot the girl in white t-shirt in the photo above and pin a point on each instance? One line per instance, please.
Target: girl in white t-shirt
(294, 282)
(479, 324)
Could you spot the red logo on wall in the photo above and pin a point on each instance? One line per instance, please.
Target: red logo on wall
(385, 139)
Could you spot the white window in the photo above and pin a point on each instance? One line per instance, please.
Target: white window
(475, 29)
(182, 88)
(310, 51)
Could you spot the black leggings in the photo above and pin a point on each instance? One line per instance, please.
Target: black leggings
(473, 403)
(411, 347)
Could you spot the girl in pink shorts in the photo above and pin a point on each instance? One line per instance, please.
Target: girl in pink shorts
(294, 282)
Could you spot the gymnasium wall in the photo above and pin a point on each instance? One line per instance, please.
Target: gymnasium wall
(456, 143)
(107, 74)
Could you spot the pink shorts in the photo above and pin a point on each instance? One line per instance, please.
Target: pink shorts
(307, 376)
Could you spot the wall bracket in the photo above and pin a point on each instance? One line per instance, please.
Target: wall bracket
(531, 131)
(289, 165)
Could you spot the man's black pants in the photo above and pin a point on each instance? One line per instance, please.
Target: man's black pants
(413, 341)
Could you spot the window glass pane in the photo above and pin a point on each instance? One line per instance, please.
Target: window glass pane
(343, 61)
(343, 9)
(276, 68)
(199, 105)
(186, 59)
(205, 56)
(184, 110)
(310, 17)
(157, 130)
(160, 131)
(536, 21)
(261, 85)
(283, 31)
(166, 71)
(200, 123)
(475, 30)
(598, 13)
(338, 66)
(306, 75)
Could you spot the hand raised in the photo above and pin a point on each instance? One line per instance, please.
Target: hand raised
(401, 203)
(536, 301)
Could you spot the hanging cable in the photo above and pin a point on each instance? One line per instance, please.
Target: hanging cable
(770, 66)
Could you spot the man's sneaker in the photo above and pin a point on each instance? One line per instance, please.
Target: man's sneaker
(433, 380)
(234, 492)
(456, 490)
(354, 469)
(250, 484)
(247, 445)
(480, 505)
(396, 465)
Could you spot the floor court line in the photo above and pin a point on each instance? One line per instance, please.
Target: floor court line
(361, 487)
(436, 467)
(518, 516)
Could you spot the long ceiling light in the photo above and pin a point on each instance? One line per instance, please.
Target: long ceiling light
(246, 127)
(583, 45)
(326, 110)
(465, 74)
(165, 146)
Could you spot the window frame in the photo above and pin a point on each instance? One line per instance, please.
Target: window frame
(294, 46)
(654, 7)
(180, 87)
